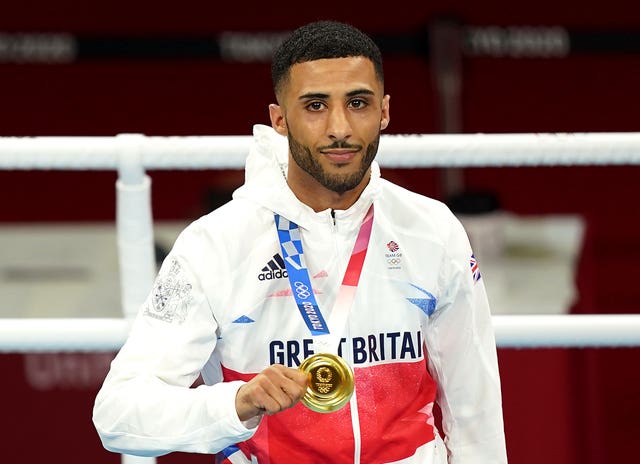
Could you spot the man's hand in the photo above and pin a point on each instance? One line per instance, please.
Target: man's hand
(273, 390)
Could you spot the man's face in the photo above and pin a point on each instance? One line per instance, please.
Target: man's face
(332, 112)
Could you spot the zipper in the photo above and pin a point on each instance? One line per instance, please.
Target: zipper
(353, 403)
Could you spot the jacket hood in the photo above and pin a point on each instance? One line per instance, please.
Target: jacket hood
(266, 184)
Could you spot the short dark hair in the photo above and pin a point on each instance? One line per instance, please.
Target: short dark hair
(320, 40)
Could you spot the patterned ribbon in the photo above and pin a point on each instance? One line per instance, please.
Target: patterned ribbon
(300, 282)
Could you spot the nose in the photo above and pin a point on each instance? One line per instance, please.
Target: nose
(338, 124)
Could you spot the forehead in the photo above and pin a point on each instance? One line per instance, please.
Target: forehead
(333, 75)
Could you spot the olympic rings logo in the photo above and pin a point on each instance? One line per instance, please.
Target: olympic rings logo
(394, 261)
(302, 290)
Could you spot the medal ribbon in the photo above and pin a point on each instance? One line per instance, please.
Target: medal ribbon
(300, 282)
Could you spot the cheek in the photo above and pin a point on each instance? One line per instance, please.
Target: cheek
(304, 131)
(371, 129)
(367, 122)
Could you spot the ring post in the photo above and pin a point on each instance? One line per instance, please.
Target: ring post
(134, 226)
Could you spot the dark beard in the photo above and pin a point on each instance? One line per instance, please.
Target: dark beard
(338, 183)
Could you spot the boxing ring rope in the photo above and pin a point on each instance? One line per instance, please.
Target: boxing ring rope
(512, 331)
(133, 154)
(396, 151)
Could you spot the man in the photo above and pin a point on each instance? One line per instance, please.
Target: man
(279, 274)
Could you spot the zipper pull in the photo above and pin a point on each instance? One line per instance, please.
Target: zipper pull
(333, 216)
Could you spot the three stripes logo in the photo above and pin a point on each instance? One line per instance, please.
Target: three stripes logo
(275, 269)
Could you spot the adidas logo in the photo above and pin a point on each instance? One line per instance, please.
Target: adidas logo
(275, 269)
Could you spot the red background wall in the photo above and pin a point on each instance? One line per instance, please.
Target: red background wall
(561, 406)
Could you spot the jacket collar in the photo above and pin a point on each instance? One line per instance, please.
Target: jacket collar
(266, 185)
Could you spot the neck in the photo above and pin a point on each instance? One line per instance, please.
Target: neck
(313, 194)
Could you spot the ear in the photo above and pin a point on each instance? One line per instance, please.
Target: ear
(277, 119)
(385, 117)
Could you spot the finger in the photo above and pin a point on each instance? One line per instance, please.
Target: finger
(284, 395)
(277, 388)
(293, 380)
(291, 393)
(296, 375)
(268, 405)
(259, 396)
(295, 389)
(294, 383)
(287, 394)
(271, 394)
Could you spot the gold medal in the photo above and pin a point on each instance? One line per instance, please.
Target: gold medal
(330, 383)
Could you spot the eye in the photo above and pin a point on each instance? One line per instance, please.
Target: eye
(357, 103)
(315, 106)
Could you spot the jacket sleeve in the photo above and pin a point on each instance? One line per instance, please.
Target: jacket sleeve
(146, 406)
(463, 360)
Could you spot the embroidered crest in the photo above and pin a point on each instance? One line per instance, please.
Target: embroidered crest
(394, 257)
(171, 295)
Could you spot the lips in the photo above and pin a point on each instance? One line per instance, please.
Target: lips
(340, 156)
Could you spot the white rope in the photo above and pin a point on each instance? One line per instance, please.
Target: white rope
(530, 331)
(567, 330)
(423, 150)
(128, 459)
(102, 153)
(46, 335)
(132, 154)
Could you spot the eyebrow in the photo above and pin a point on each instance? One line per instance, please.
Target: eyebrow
(352, 93)
(311, 95)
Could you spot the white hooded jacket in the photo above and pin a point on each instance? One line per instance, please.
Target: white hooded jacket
(419, 332)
